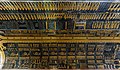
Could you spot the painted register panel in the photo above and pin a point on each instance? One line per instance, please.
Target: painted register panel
(60, 34)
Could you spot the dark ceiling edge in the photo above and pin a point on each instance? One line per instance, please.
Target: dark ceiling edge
(59, 0)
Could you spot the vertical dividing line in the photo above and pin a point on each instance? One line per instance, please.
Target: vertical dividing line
(55, 25)
(74, 25)
(46, 25)
(65, 25)
(84, 25)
